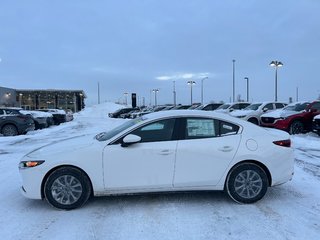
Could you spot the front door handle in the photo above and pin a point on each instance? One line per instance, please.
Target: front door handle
(225, 149)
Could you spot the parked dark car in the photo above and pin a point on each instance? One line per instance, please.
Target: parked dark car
(209, 106)
(59, 115)
(13, 122)
(316, 124)
(296, 123)
(117, 113)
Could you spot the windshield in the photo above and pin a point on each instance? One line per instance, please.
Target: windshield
(254, 106)
(200, 107)
(113, 132)
(224, 106)
(296, 107)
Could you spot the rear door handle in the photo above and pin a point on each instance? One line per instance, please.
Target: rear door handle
(225, 149)
(165, 152)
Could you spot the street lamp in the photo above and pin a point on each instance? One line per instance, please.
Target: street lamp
(202, 88)
(233, 80)
(191, 83)
(155, 96)
(276, 64)
(174, 94)
(246, 78)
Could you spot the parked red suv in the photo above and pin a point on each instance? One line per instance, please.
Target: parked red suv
(296, 123)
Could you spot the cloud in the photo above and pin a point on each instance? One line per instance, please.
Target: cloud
(184, 76)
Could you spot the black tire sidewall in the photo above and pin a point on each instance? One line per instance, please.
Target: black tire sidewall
(82, 178)
(229, 186)
(254, 121)
(292, 126)
(13, 127)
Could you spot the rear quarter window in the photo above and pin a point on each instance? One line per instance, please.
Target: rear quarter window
(226, 128)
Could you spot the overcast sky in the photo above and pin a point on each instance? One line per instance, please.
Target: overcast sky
(138, 45)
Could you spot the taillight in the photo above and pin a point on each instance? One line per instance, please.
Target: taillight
(283, 143)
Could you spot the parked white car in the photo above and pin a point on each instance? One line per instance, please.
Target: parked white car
(229, 107)
(253, 112)
(165, 151)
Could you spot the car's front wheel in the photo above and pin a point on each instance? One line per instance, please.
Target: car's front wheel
(254, 121)
(296, 127)
(67, 188)
(247, 183)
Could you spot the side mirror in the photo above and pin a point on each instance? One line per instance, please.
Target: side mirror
(265, 109)
(231, 109)
(312, 110)
(130, 139)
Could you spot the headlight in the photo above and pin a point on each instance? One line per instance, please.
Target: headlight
(30, 164)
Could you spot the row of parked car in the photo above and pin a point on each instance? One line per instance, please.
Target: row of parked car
(295, 118)
(15, 121)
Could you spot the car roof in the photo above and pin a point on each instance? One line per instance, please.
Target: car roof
(188, 113)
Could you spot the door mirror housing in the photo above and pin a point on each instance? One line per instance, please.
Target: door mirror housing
(265, 109)
(231, 109)
(130, 139)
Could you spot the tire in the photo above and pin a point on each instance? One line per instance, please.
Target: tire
(296, 127)
(67, 188)
(246, 183)
(254, 121)
(9, 130)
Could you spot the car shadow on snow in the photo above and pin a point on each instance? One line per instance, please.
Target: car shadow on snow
(160, 199)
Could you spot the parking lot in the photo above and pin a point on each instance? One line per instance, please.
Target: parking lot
(289, 211)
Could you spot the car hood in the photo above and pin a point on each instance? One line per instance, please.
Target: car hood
(222, 110)
(238, 113)
(69, 144)
(280, 113)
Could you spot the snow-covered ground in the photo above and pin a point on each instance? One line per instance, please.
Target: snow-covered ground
(289, 211)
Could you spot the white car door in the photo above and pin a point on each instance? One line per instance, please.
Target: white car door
(203, 157)
(148, 164)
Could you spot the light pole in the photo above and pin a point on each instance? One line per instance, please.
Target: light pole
(174, 94)
(233, 80)
(126, 98)
(98, 93)
(246, 78)
(155, 96)
(276, 64)
(191, 83)
(202, 88)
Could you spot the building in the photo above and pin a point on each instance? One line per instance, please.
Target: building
(32, 99)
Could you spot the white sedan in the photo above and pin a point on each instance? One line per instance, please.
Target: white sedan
(161, 152)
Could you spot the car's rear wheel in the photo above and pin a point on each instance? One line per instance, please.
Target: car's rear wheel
(247, 183)
(296, 127)
(9, 130)
(67, 188)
